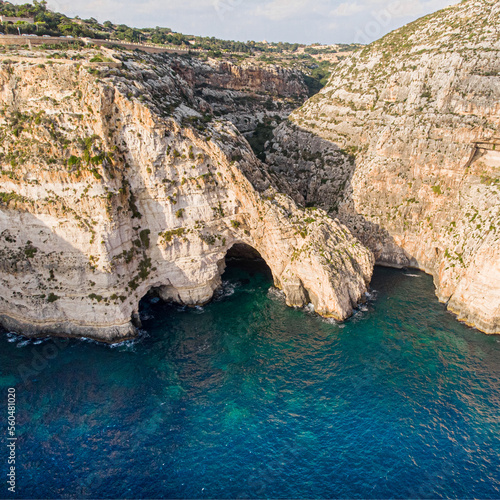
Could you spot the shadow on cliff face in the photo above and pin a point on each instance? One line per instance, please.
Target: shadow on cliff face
(49, 286)
(242, 263)
(316, 172)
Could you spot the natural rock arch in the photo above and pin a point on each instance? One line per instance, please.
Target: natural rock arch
(247, 254)
(163, 213)
(243, 251)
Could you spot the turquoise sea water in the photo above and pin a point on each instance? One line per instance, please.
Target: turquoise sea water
(246, 398)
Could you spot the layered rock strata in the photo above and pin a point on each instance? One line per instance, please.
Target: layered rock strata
(403, 145)
(113, 183)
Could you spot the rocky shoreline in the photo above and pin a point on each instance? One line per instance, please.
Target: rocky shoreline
(134, 173)
(403, 146)
(115, 190)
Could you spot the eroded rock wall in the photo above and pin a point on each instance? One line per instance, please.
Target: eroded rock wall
(403, 145)
(248, 94)
(113, 183)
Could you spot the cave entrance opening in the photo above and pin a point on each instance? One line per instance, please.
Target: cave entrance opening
(245, 271)
(244, 263)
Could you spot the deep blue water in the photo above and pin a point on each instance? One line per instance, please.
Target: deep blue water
(247, 398)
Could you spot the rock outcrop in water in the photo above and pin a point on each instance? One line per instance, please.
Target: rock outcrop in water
(113, 184)
(403, 145)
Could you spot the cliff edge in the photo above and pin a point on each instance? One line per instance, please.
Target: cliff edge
(403, 145)
(113, 183)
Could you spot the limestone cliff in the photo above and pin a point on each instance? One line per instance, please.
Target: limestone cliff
(403, 145)
(113, 183)
(252, 95)
(247, 93)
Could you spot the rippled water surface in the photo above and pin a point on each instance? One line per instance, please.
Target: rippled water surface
(248, 398)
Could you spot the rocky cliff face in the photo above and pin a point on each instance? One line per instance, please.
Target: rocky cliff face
(247, 94)
(403, 145)
(112, 185)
